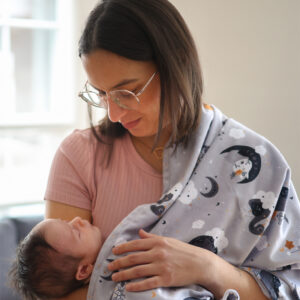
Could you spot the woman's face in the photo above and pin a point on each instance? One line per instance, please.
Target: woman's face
(107, 71)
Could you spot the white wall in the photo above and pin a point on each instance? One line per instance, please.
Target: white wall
(250, 55)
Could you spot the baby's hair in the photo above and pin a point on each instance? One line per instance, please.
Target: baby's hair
(41, 272)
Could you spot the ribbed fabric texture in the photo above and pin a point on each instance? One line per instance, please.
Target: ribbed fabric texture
(79, 178)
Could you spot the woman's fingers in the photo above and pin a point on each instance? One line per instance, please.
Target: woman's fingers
(131, 260)
(160, 262)
(147, 242)
(157, 253)
(143, 285)
(144, 234)
(135, 273)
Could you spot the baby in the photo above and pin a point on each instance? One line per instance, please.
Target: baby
(55, 258)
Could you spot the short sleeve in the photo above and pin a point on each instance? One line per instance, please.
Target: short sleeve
(71, 179)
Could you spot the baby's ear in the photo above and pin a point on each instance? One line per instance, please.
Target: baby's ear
(84, 271)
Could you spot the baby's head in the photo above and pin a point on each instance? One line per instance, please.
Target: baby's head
(55, 258)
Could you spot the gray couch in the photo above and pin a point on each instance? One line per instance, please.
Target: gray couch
(12, 231)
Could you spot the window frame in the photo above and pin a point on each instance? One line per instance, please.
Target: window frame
(62, 113)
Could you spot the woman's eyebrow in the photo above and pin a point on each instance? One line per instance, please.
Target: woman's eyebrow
(121, 83)
(124, 82)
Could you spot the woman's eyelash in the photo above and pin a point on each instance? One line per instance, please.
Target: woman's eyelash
(102, 93)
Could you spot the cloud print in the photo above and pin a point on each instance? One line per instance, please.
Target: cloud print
(260, 150)
(198, 224)
(189, 193)
(236, 133)
(267, 198)
(176, 190)
(220, 240)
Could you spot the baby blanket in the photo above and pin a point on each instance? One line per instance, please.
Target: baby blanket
(230, 192)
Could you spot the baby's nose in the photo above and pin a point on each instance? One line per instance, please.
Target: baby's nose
(78, 221)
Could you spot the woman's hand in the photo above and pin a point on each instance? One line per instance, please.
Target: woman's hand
(165, 262)
(162, 261)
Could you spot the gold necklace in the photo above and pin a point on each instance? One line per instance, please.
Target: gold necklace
(158, 152)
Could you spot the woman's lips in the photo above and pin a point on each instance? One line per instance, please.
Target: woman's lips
(132, 124)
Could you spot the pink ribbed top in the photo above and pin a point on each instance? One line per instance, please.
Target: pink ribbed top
(78, 177)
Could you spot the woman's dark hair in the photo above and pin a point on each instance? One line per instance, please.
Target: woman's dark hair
(40, 272)
(151, 30)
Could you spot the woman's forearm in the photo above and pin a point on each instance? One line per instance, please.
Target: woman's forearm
(225, 276)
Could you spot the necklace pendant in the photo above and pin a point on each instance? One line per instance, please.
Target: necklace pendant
(158, 152)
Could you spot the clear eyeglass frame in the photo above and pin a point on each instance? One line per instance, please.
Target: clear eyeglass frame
(123, 98)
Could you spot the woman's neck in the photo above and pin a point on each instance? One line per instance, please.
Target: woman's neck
(144, 147)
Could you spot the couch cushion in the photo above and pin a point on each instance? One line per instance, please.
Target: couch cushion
(24, 225)
(12, 231)
(8, 238)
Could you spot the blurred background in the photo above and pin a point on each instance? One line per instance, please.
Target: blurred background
(249, 52)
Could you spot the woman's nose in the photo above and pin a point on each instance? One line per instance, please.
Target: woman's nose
(115, 112)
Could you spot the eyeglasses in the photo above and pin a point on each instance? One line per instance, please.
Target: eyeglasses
(124, 98)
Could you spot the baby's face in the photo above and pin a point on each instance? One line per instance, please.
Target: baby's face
(77, 238)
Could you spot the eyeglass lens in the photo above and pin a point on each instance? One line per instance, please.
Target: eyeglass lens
(123, 98)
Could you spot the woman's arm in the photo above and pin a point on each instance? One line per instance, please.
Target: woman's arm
(66, 212)
(169, 262)
(226, 276)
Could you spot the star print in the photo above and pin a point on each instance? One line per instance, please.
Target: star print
(289, 244)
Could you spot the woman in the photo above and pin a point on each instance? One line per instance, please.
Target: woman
(225, 209)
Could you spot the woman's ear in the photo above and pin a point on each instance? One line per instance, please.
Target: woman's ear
(84, 271)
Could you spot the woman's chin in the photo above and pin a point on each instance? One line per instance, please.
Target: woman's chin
(142, 132)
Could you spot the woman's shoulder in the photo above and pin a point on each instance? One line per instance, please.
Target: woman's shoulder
(79, 137)
(82, 144)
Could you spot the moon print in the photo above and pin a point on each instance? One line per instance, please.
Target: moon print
(214, 188)
(252, 156)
